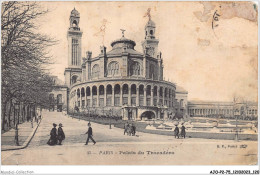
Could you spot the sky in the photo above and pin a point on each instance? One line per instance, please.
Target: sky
(211, 64)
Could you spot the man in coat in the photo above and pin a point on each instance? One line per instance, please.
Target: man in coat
(61, 135)
(183, 132)
(133, 129)
(176, 131)
(90, 134)
(126, 125)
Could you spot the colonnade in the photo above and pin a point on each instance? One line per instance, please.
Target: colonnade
(123, 94)
(209, 111)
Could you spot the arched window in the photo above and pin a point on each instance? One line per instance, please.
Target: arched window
(101, 90)
(133, 89)
(141, 90)
(148, 90)
(94, 90)
(155, 91)
(151, 32)
(135, 69)
(88, 91)
(74, 52)
(117, 89)
(95, 71)
(109, 89)
(75, 24)
(82, 92)
(113, 68)
(125, 89)
(74, 79)
(151, 72)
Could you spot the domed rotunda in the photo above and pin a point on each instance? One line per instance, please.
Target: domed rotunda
(122, 81)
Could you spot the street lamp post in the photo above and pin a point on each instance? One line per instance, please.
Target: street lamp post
(16, 135)
(111, 113)
(236, 135)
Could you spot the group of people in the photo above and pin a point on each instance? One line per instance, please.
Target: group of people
(57, 136)
(129, 129)
(177, 133)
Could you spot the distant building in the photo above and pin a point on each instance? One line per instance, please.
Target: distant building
(181, 101)
(58, 98)
(245, 110)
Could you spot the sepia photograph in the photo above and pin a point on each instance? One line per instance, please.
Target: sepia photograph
(129, 83)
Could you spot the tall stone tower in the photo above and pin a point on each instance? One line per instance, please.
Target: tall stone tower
(150, 44)
(150, 47)
(74, 40)
(74, 35)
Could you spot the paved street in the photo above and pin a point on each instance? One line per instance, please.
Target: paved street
(113, 147)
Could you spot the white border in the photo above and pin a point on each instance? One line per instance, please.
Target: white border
(169, 169)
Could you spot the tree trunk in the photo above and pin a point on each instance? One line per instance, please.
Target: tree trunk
(18, 115)
(14, 114)
(23, 115)
(9, 114)
(4, 115)
(27, 113)
(34, 112)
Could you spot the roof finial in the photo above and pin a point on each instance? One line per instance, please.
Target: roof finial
(123, 32)
(148, 13)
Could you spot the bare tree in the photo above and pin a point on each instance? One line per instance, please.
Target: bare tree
(24, 55)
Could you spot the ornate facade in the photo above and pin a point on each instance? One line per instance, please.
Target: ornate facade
(121, 81)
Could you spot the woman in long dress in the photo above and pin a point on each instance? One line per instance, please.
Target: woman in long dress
(53, 139)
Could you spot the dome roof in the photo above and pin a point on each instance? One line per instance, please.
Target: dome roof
(74, 12)
(123, 41)
(150, 23)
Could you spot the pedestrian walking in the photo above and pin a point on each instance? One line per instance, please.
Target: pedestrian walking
(53, 139)
(183, 132)
(129, 129)
(133, 130)
(90, 134)
(176, 131)
(125, 127)
(61, 135)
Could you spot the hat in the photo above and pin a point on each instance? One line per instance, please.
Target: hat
(54, 124)
(60, 125)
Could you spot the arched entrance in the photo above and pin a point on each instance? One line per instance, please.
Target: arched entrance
(147, 115)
